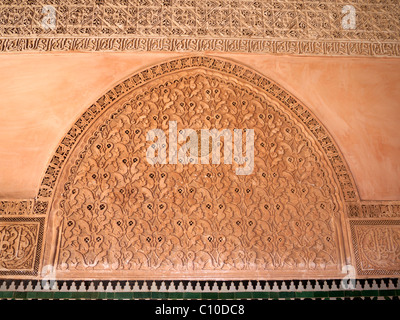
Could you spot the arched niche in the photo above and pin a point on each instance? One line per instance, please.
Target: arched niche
(111, 214)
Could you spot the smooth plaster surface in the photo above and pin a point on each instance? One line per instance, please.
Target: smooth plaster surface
(357, 99)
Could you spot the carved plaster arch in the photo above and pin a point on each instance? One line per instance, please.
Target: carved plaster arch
(190, 75)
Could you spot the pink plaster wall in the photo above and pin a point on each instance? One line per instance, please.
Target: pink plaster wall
(357, 99)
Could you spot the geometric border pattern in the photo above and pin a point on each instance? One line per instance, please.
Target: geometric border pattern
(274, 27)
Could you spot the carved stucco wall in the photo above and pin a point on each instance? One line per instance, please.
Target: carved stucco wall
(198, 220)
(278, 27)
(290, 231)
(356, 100)
(346, 221)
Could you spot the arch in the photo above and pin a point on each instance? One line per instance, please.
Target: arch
(281, 232)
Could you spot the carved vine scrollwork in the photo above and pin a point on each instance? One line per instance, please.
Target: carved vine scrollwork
(121, 213)
(272, 90)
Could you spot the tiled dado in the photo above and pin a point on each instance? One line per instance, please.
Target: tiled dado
(373, 289)
(336, 295)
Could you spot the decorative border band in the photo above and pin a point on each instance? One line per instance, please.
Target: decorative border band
(291, 289)
(116, 44)
(324, 27)
(16, 207)
(374, 209)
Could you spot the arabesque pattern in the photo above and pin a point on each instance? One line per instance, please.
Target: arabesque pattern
(121, 213)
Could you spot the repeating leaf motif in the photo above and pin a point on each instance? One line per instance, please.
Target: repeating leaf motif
(122, 213)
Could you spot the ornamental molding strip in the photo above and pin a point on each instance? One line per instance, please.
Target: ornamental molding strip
(333, 28)
(102, 212)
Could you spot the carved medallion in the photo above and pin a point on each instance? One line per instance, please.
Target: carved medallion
(377, 246)
(20, 245)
